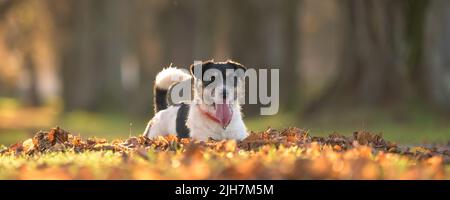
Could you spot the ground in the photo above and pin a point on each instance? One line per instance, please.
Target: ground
(290, 153)
(386, 145)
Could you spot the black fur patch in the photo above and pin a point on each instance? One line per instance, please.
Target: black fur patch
(182, 114)
(160, 99)
(222, 67)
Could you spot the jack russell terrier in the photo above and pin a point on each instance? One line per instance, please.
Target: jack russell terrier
(215, 111)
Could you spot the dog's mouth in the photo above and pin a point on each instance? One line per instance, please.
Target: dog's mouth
(223, 113)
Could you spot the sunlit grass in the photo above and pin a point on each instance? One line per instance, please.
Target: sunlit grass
(415, 126)
(278, 121)
(109, 126)
(420, 127)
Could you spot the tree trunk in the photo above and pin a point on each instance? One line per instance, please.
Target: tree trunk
(264, 34)
(91, 53)
(372, 68)
(5, 6)
(437, 54)
(31, 97)
(290, 61)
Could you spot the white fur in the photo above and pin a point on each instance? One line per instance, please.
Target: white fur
(163, 123)
(169, 76)
(201, 127)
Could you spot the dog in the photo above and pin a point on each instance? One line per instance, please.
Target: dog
(217, 117)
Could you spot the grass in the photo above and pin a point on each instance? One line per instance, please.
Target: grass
(109, 126)
(420, 127)
(417, 130)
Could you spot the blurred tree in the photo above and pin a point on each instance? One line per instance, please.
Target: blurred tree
(436, 43)
(31, 96)
(388, 49)
(22, 32)
(415, 27)
(5, 6)
(290, 61)
(94, 40)
(372, 66)
(265, 34)
(91, 47)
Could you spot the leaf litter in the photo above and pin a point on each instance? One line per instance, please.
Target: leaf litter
(291, 153)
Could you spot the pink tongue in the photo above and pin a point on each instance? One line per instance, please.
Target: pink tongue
(223, 114)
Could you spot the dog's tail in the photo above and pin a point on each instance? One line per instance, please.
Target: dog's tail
(164, 80)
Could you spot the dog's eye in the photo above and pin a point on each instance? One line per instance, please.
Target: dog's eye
(212, 79)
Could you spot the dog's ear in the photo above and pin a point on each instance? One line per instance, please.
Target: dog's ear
(236, 65)
(198, 69)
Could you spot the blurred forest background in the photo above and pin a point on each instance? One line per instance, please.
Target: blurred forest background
(345, 65)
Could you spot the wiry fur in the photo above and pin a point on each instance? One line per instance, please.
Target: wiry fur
(164, 80)
(200, 126)
(169, 76)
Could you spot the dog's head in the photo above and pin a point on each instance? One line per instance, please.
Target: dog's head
(217, 88)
